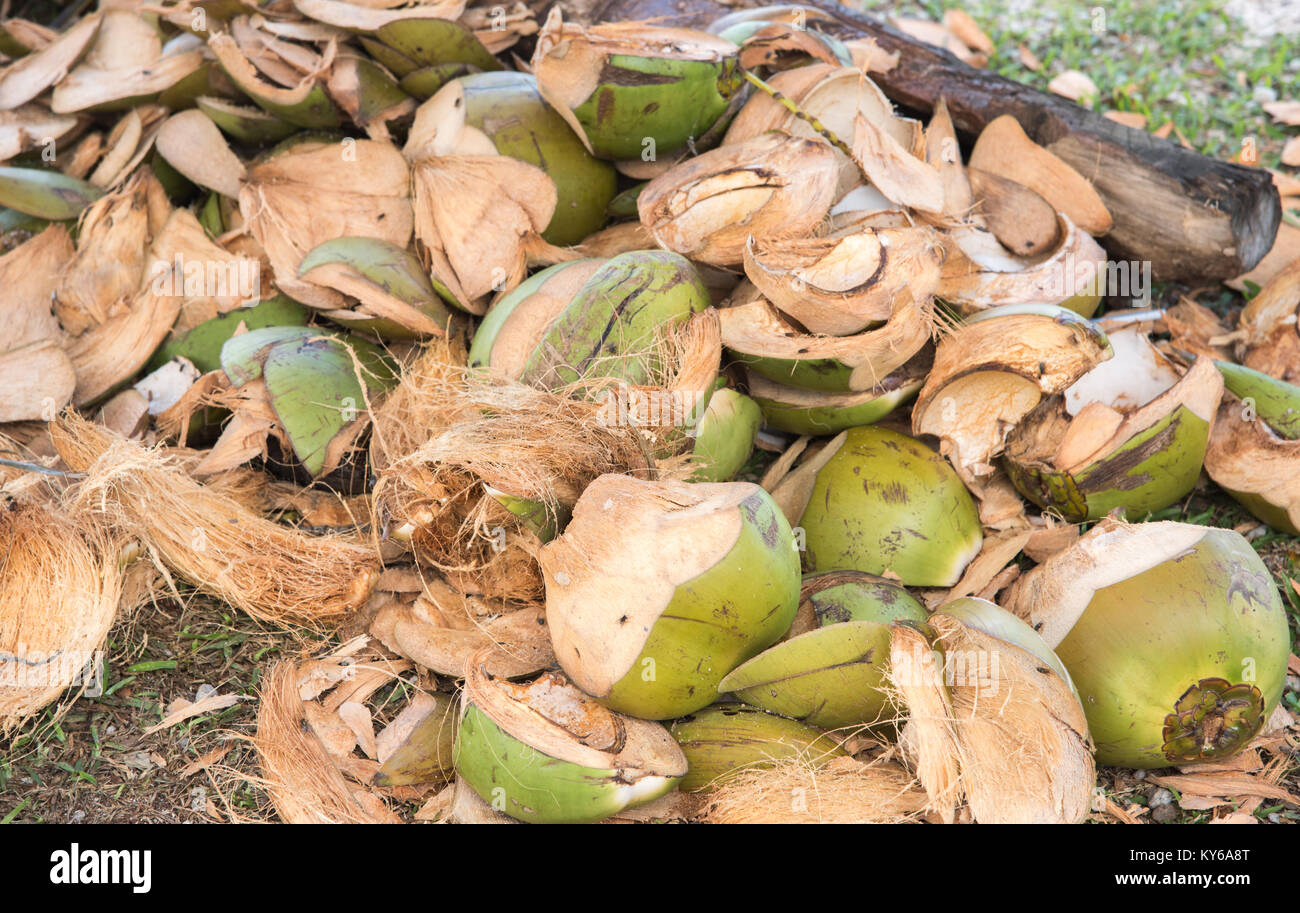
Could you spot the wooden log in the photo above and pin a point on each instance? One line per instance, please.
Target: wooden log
(1193, 217)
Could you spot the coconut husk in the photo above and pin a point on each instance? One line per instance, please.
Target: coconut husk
(794, 791)
(193, 145)
(61, 582)
(1022, 220)
(28, 77)
(1194, 328)
(31, 126)
(1248, 458)
(1021, 735)
(315, 192)
(928, 740)
(1272, 335)
(1004, 149)
(368, 17)
(988, 375)
(943, 153)
(844, 283)
(36, 376)
(127, 144)
(209, 538)
(299, 772)
(708, 207)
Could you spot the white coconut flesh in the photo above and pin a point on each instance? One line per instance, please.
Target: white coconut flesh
(864, 198)
(556, 719)
(1119, 398)
(1053, 596)
(628, 548)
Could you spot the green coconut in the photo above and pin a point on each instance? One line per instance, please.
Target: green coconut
(426, 755)
(1105, 445)
(881, 502)
(834, 675)
(546, 753)
(724, 739)
(312, 382)
(1174, 635)
(656, 590)
(45, 194)
(724, 436)
(636, 91)
(427, 42)
(588, 318)
(812, 412)
(1275, 402)
(509, 108)
(395, 296)
(202, 345)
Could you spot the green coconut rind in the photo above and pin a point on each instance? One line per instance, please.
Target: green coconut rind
(45, 194)
(829, 677)
(722, 740)
(716, 621)
(1276, 402)
(724, 437)
(832, 419)
(485, 337)
(866, 518)
(202, 345)
(1153, 469)
(866, 599)
(1131, 661)
(528, 785)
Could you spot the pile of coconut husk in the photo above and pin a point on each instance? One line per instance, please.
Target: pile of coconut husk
(639, 422)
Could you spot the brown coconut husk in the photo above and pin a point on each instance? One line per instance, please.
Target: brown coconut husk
(1021, 735)
(1247, 457)
(61, 581)
(29, 76)
(1272, 333)
(796, 791)
(209, 538)
(928, 740)
(37, 377)
(299, 772)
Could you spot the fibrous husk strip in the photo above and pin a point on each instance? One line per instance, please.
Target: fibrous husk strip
(60, 585)
(797, 791)
(273, 573)
(302, 779)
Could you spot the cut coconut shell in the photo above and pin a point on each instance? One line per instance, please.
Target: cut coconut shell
(1092, 451)
(990, 372)
(848, 282)
(1174, 635)
(546, 753)
(1249, 460)
(642, 564)
(708, 207)
(813, 412)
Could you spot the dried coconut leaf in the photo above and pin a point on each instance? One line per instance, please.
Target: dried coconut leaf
(1075, 86)
(967, 30)
(794, 791)
(271, 572)
(61, 583)
(29, 76)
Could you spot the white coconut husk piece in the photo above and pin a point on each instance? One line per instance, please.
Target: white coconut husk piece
(127, 144)
(112, 258)
(499, 28)
(443, 636)
(979, 272)
(37, 377)
(989, 374)
(772, 186)
(479, 214)
(31, 126)
(842, 284)
(795, 791)
(61, 579)
(1250, 459)
(316, 192)
(370, 16)
(943, 153)
(193, 144)
(29, 76)
(209, 538)
(125, 61)
(1004, 149)
(1272, 334)
(1021, 736)
(299, 772)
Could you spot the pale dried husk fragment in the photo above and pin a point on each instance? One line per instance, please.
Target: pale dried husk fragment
(928, 740)
(844, 283)
(943, 153)
(31, 126)
(709, 206)
(316, 192)
(36, 376)
(1272, 331)
(1255, 465)
(989, 373)
(273, 573)
(371, 16)
(61, 580)
(192, 144)
(28, 77)
(795, 791)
